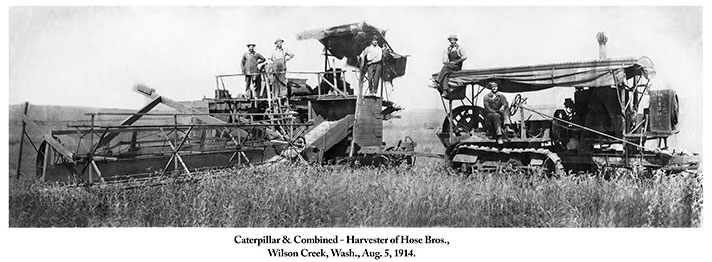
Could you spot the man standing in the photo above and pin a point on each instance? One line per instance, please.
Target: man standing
(496, 110)
(279, 59)
(453, 57)
(249, 67)
(371, 56)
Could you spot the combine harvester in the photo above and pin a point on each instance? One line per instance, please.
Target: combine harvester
(604, 126)
(328, 123)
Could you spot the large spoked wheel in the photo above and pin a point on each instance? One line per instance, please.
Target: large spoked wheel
(466, 119)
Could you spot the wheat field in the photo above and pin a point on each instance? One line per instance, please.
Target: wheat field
(421, 196)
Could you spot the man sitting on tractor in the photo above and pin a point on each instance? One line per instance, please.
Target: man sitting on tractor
(496, 111)
(453, 57)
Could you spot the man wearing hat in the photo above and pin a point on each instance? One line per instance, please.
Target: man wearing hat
(496, 106)
(569, 109)
(453, 57)
(371, 56)
(249, 63)
(279, 59)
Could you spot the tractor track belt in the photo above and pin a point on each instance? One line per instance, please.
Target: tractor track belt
(558, 166)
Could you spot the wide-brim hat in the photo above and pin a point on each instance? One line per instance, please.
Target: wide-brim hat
(248, 45)
(452, 37)
(278, 40)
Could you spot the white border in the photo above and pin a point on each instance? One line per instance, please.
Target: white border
(197, 244)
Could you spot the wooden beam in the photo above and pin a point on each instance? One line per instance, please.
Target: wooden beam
(130, 120)
(22, 140)
(359, 99)
(98, 172)
(175, 151)
(44, 163)
(151, 93)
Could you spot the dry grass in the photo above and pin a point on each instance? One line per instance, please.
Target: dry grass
(425, 196)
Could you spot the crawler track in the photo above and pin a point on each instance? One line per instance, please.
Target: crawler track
(467, 156)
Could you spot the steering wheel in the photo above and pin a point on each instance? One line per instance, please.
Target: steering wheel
(516, 104)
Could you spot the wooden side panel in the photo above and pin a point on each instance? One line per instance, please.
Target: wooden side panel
(369, 126)
(332, 110)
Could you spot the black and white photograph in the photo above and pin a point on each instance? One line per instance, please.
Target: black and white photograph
(356, 133)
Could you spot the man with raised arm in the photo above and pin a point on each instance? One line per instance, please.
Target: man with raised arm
(250, 60)
(279, 59)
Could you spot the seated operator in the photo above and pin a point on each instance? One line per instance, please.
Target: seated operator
(569, 110)
(496, 110)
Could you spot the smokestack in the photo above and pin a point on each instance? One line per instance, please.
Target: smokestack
(602, 39)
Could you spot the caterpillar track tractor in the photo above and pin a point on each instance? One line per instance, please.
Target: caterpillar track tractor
(605, 124)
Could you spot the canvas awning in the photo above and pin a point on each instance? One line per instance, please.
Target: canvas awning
(345, 40)
(517, 79)
(350, 40)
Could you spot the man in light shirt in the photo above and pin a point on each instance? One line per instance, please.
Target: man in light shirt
(279, 59)
(371, 57)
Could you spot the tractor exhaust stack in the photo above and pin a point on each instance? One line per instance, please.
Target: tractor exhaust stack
(602, 39)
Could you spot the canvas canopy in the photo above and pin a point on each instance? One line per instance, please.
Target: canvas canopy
(606, 72)
(350, 40)
(345, 40)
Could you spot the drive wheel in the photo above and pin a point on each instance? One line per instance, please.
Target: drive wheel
(467, 119)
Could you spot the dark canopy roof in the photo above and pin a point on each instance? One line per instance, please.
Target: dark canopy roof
(345, 40)
(574, 74)
(350, 40)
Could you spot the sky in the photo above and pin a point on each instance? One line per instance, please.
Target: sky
(92, 56)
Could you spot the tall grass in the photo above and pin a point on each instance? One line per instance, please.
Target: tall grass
(422, 196)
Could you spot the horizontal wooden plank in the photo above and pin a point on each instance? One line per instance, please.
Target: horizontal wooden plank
(366, 129)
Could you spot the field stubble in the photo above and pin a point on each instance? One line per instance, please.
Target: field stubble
(422, 196)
